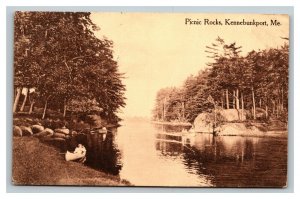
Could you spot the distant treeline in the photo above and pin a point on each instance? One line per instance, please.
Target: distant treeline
(60, 64)
(257, 82)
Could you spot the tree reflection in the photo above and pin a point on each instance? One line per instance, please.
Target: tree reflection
(102, 152)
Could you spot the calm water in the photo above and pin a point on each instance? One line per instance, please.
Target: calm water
(153, 155)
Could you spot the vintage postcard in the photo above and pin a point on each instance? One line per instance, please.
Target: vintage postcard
(150, 99)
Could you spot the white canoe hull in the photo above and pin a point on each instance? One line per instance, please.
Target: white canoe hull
(74, 156)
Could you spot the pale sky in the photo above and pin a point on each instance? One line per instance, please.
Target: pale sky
(157, 50)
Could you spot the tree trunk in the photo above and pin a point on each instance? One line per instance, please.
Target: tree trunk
(183, 111)
(237, 99)
(215, 120)
(31, 107)
(65, 108)
(253, 101)
(279, 101)
(227, 99)
(233, 100)
(215, 114)
(45, 109)
(25, 99)
(260, 103)
(282, 99)
(222, 100)
(266, 112)
(164, 109)
(17, 100)
(242, 98)
(277, 108)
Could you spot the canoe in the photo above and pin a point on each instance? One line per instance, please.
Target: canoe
(76, 155)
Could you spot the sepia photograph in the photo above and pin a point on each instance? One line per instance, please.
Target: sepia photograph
(150, 99)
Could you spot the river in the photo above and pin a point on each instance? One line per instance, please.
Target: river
(147, 154)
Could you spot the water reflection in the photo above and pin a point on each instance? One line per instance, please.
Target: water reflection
(224, 148)
(102, 151)
(150, 162)
(233, 161)
(158, 155)
(170, 128)
(169, 148)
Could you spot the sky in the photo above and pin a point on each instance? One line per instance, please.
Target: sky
(157, 50)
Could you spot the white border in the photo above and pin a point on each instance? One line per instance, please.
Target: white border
(5, 3)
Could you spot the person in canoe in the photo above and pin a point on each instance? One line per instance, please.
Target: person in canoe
(78, 154)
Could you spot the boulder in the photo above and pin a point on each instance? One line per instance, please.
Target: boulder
(59, 139)
(239, 129)
(45, 133)
(59, 135)
(28, 120)
(63, 131)
(26, 131)
(202, 124)
(50, 131)
(17, 131)
(204, 121)
(37, 128)
(230, 115)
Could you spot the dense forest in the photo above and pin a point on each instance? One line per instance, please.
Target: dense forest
(60, 65)
(256, 84)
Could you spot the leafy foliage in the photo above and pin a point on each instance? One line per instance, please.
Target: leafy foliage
(59, 54)
(260, 77)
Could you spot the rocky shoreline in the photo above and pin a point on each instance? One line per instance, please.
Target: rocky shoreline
(232, 124)
(242, 129)
(187, 124)
(40, 147)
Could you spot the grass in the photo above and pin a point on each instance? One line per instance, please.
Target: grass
(35, 163)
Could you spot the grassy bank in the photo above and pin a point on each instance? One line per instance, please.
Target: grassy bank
(35, 163)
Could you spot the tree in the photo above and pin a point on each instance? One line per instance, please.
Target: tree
(253, 82)
(225, 73)
(62, 52)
